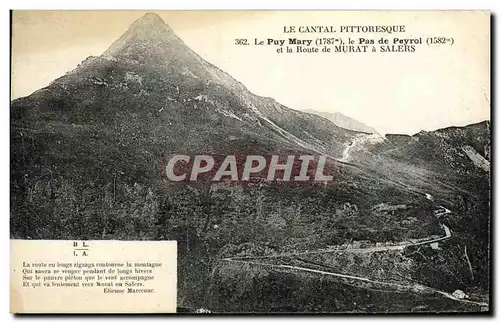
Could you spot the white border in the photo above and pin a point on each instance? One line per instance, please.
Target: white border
(199, 4)
(258, 4)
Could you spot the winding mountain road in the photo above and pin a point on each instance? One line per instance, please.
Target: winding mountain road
(399, 246)
(413, 288)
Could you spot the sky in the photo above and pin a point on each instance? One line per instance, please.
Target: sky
(432, 88)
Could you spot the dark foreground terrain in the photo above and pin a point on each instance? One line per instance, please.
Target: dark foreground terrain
(87, 162)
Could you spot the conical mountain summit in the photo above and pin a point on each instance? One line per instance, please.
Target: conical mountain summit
(88, 156)
(150, 80)
(148, 38)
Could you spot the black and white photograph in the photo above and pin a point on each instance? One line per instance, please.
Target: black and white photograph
(317, 162)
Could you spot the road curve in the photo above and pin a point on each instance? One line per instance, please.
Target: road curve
(413, 288)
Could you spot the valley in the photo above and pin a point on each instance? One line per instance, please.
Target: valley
(402, 223)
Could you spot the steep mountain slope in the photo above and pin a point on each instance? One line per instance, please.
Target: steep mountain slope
(146, 97)
(150, 72)
(343, 121)
(88, 155)
(110, 125)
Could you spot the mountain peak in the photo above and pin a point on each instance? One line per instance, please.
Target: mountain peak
(152, 16)
(146, 33)
(343, 121)
(150, 20)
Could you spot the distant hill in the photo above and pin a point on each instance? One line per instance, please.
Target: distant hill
(87, 162)
(343, 121)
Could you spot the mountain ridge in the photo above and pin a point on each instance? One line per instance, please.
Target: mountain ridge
(343, 121)
(160, 59)
(88, 155)
(172, 92)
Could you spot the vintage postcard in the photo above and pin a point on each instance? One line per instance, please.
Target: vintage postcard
(250, 162)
